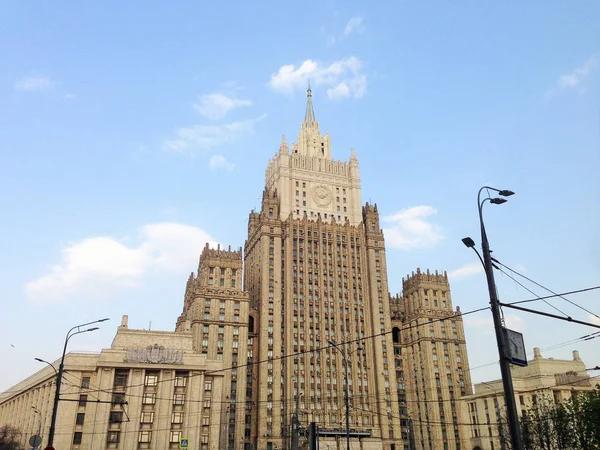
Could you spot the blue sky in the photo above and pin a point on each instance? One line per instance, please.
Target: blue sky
(133, 132)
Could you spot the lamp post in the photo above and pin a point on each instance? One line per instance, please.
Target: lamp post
(296, 424)
(39, 413)
(509, 394)
(72, 332)
(345, 356)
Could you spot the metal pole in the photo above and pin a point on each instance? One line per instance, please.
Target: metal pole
(57, 394)
(509, 394)
(296, 425)
(346, 400)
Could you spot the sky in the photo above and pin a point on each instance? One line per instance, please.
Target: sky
(134, 132)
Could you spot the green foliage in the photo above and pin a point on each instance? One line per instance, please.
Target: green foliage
(9, 438)
(573, 424)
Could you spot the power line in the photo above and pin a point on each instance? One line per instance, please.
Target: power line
(531, 292)
(547, 289)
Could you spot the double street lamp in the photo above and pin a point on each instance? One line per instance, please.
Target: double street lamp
(72, 332)
(509, 394)
(345, 356)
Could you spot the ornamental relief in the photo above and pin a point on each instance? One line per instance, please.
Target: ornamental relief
(321, 194)
(154, 354)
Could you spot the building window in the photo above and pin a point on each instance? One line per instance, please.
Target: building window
(177, 417)
(145, 436)
(80, 419)
(206, 316)
(77, 437)
(180, 380)
(118, 398)
(147, 417)
(85, 382)
(83, 400)
(115, 417)
(113, 437)
(149, 399)
(121, 379)
(178, 399)
(151, 380)
(175, 436)
(208, 385)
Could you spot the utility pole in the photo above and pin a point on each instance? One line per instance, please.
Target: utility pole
(296, 424)
(509, 393)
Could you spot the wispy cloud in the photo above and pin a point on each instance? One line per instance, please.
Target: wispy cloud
(197, 138)
(486, 322)
(411, 228)
(219, 162)
(574, 78)
(108, 262)
(594, 319)
(466, 271)
(34, 83)
(217, 105)
(354, 25)
(342, 78)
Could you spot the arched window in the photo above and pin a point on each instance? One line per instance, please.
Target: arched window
(396, 335)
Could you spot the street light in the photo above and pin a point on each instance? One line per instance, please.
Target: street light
(61, 367)
(345, 361)
(46, 362)
(509, 394)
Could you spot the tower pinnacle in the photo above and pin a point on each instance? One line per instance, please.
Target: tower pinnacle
(309, 116)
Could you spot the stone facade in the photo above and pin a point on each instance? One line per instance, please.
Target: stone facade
(313, 301)
(432, 367)
(542, 380)
(148, 390)
(216, 311)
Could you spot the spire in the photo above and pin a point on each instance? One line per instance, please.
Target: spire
(309, 116)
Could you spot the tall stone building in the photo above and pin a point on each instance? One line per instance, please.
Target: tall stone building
(432, 368)
(269, 334)
(315, 271)
(215, 310)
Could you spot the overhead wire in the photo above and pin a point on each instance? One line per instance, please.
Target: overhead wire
(547, 289)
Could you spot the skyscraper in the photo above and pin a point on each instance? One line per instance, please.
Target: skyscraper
(315, 272)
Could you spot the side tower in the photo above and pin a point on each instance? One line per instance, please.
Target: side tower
(437, 369)
(216, 312)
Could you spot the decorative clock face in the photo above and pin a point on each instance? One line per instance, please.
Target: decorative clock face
(321, 195)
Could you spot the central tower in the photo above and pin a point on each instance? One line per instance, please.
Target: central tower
(309, 182)
(315, 271)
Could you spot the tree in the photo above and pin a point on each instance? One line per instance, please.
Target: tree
(573, 424)
(9, 438)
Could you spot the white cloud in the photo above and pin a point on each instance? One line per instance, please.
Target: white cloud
(594, 319)
(486, 322)
(410, 228)
(202, 137)
(466, 271)
(354, 25)
(343, 78)
(216, 106)
(574, 78)
(100, 263)
(34, 83)
(219, 162)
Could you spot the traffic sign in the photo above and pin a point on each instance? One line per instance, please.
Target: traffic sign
(35, 440)
(183, 443)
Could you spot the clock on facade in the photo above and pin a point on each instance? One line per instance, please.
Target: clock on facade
(516, 347)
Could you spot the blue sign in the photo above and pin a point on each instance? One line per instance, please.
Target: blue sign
(183, 443)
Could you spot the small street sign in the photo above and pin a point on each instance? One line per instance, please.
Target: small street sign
(516, 347)
(183, 443)
(35, 440)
